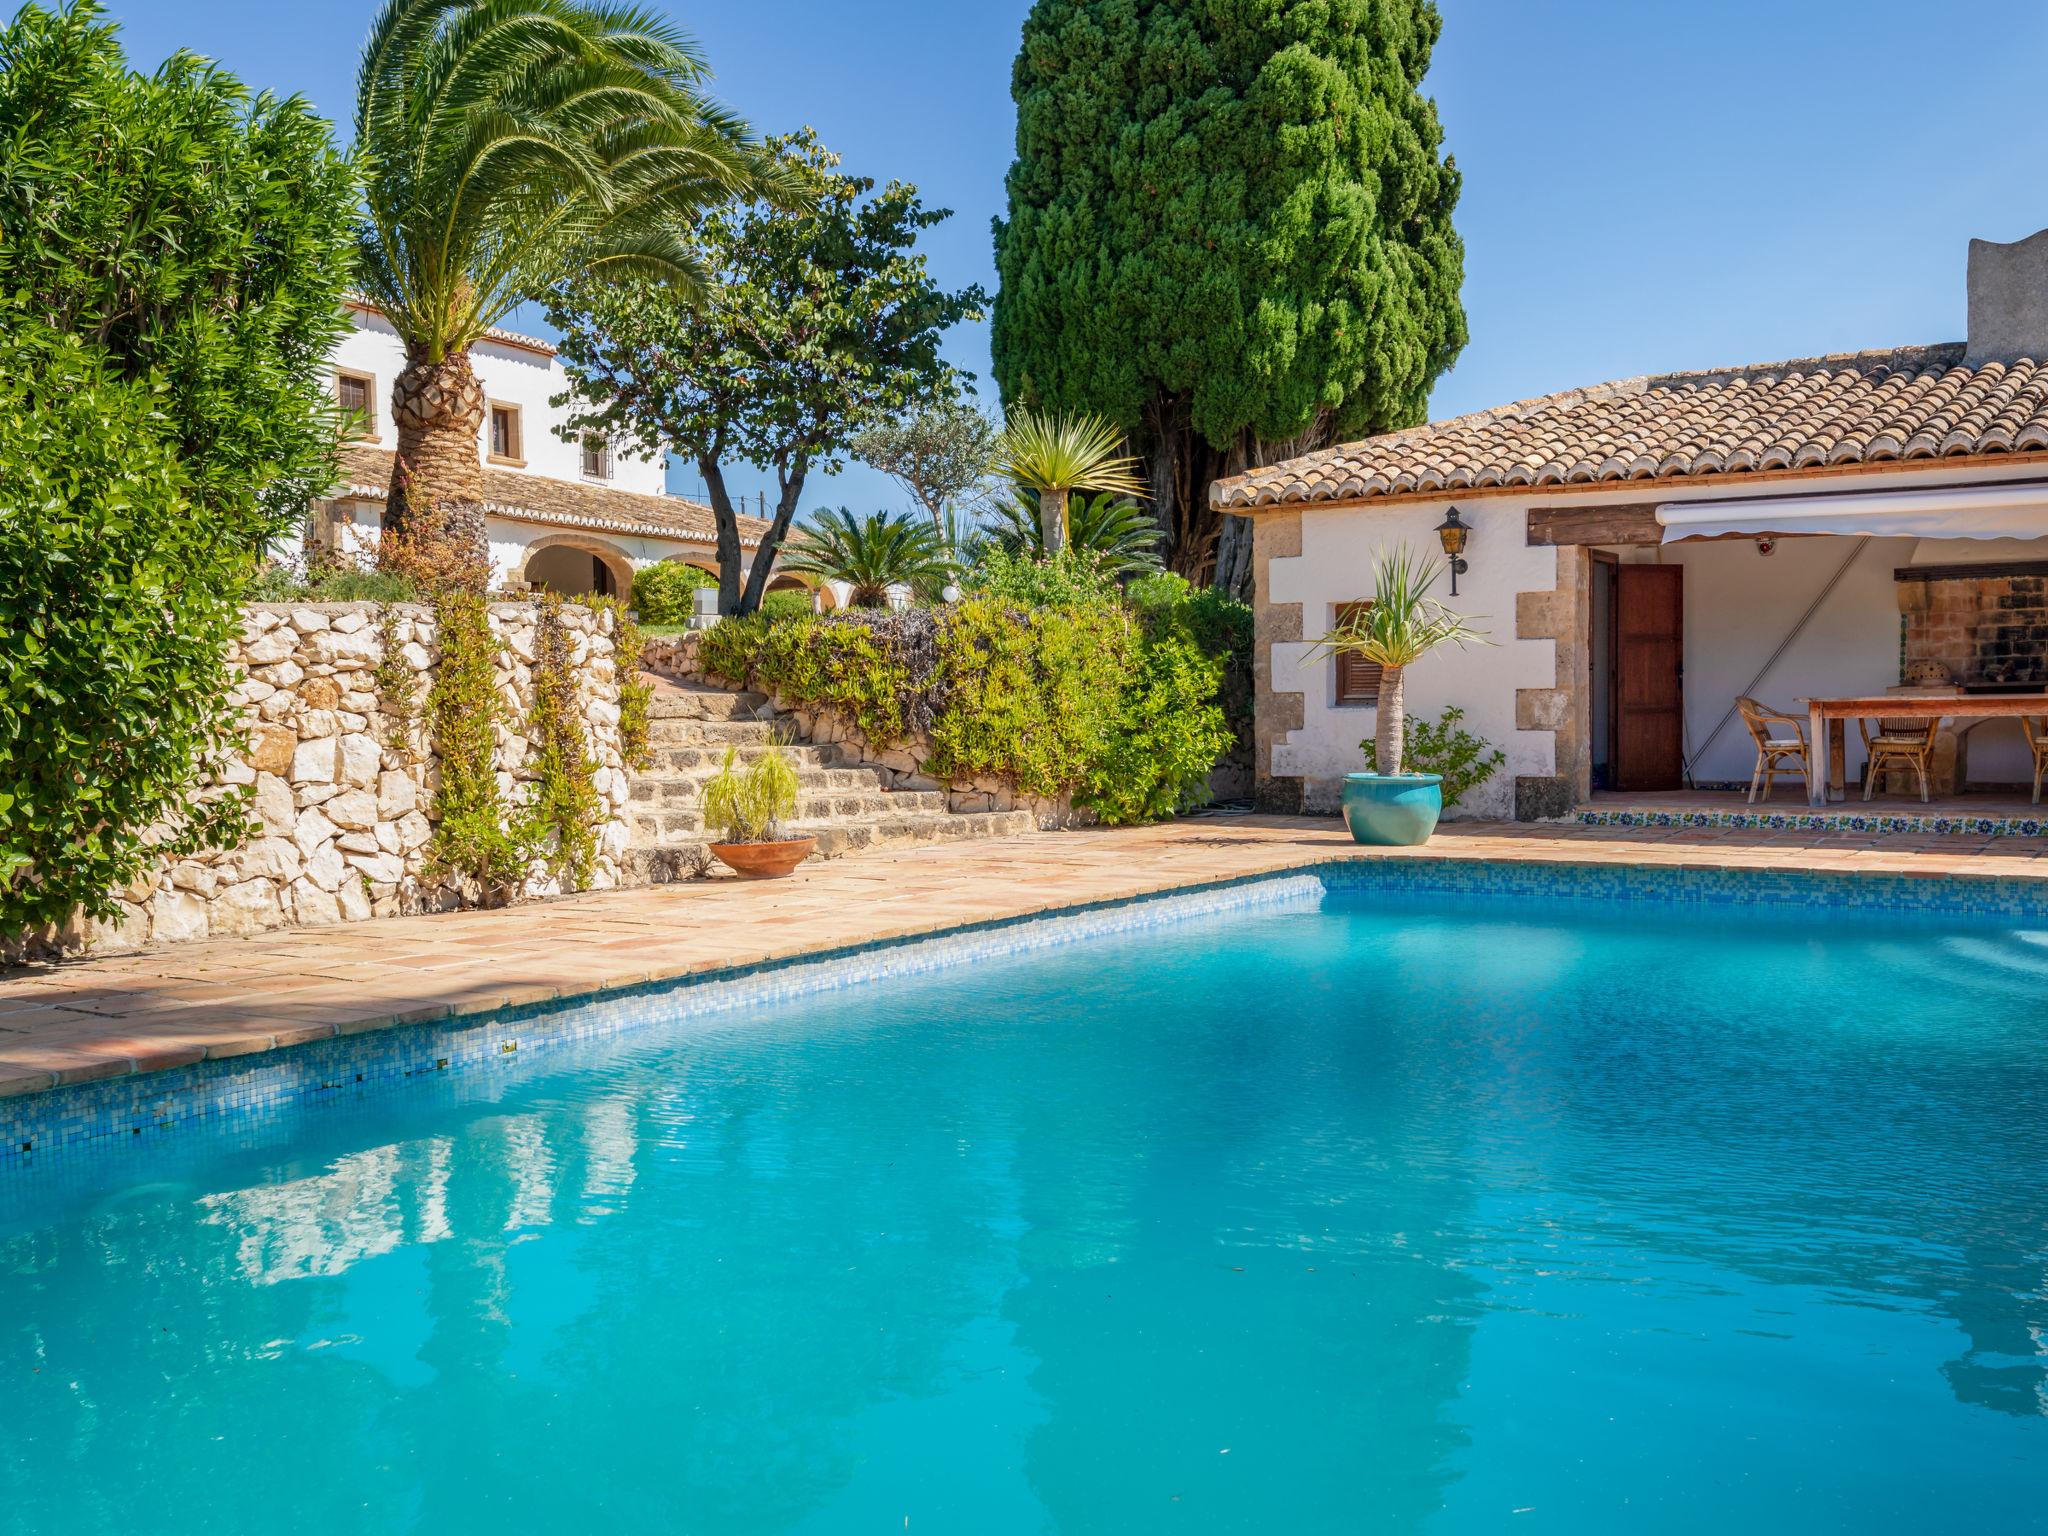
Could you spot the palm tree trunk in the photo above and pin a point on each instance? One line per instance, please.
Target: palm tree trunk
(1390, 731)
(434, 513)
(1052, 520)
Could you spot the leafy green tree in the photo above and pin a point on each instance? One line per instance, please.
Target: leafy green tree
(816, 324)
(512, 145)
(1117, 531)
(942, 452)
(871, 554)
(1230, 232)
(173, 254)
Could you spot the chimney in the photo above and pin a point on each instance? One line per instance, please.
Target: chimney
(2009, 300)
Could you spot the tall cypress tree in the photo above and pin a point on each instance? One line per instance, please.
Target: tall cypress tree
(1229, 231)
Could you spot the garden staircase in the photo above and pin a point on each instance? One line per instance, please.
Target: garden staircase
(842, 804)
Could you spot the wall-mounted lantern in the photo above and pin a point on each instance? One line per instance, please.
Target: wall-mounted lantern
(1453, 532)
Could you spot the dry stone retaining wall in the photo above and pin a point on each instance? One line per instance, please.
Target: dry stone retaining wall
(341, 782)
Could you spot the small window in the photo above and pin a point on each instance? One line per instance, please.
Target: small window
(1358, 680)
(357, 394)
(597, 459)
(505, 435)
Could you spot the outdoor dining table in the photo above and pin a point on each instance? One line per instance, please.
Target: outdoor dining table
(1828, 722)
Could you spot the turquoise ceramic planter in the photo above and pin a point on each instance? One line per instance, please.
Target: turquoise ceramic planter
(1392, 811)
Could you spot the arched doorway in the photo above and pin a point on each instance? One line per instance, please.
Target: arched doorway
(577, 567)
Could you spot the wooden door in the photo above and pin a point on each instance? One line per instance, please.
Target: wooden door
(1649, 665)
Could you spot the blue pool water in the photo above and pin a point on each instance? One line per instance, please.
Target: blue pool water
(1368, 1215)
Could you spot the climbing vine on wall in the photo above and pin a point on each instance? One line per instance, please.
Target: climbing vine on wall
(636, 693)
(472, 842)
(561, 817)
(398, 687)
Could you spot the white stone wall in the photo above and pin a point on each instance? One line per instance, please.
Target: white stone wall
(341, 790)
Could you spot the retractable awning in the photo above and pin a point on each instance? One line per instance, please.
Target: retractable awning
(2018, 511)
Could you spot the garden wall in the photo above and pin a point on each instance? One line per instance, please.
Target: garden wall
(342, 776)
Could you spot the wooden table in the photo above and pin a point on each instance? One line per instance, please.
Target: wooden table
(1828, 724)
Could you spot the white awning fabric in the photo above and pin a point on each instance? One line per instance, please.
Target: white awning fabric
(2017, 511)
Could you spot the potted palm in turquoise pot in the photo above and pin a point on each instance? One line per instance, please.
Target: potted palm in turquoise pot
(1401, 625)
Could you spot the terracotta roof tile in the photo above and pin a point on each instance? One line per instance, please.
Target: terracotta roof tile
(521, 498)
(1810, 413)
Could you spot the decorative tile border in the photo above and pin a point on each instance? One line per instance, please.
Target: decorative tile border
(80, 1131)
(1910, 823)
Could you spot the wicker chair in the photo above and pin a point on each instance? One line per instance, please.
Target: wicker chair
(1906, 743)
(1774, 751)
(2037, 739)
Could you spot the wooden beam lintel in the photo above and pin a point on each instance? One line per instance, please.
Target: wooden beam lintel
(1633, 522)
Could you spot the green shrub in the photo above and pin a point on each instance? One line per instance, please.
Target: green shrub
(1063, 580)
(875, 668)
(786, 604)
(666, 593)
(1167, 735)
(749, 804)
(1444, 746)
(330, 580)
(1029, 695)
(1216, 621)
(1085, 699)
(172, 259)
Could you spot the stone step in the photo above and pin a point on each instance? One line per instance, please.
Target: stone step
(685, 732)
(676, 788)
(685, 701)
(946, 827)
(682, 860)
(707, 759)
(668, 823)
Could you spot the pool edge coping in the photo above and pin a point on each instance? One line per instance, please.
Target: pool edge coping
(116, 1065)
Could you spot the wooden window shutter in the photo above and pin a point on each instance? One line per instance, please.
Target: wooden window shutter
(1358, 680)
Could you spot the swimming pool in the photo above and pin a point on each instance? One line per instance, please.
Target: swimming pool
(1369, 1208)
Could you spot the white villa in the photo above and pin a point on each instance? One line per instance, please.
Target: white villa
(574, 517)
(1841, 539)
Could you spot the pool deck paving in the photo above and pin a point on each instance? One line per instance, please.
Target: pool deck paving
(76, 1021)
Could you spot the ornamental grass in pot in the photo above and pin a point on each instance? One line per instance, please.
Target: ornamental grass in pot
(745, 805)
(1401, 625)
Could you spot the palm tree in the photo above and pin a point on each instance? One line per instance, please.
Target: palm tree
(871, 554)
(510, 145)
(1401, 625)
(1110, 526)
(1055, 455)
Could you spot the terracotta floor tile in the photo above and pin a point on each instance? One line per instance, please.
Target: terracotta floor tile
(227, 996)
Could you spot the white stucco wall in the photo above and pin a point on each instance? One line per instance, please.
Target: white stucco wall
(1335, 567)
(509, 374)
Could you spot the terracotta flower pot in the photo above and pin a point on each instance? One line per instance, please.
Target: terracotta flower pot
(765, 861)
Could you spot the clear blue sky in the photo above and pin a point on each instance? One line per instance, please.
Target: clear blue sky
(1649, 184)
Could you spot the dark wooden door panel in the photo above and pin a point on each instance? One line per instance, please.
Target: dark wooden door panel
(1649, 660)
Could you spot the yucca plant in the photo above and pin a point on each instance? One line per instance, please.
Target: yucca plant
(747, 803)
(1110, 526)
(512, 145)
(871, 554)
(1401, 625)
(1056, 455)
